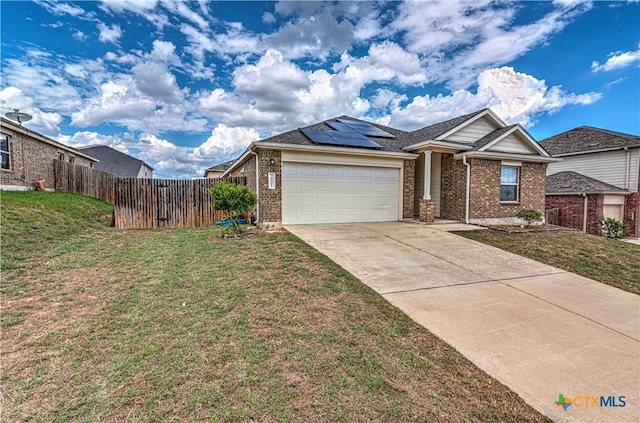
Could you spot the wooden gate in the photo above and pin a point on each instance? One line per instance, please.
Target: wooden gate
(165, 203)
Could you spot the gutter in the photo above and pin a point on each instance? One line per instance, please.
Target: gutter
(584, 217)
(468, 189)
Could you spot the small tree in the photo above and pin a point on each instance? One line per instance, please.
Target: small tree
(233, 200)
(530, 216)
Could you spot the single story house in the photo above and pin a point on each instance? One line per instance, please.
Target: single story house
(599, 175)
(216, 171)
(473, 168)
(117, 163)
(27, 157)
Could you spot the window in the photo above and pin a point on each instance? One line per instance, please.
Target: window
(4, 151)
(61, 157)
(72, 159)
(509, 176)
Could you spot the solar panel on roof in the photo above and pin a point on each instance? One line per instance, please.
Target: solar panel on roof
(353, 139)
(348, 138)
(318, 136)
(340, 126)
(366, 128)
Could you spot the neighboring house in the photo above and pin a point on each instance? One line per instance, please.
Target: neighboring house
(217, 170)
(473, 168)
(602, 168)
(27, 157)
(117, 163)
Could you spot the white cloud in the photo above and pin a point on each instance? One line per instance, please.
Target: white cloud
(617, 60)
(516, 97)
(59, 9)
(225, 141)
(47, 123)
(268, 18)
(315, 36)
(79, 35)
(109, 34)
(385, 62)
(458, 40)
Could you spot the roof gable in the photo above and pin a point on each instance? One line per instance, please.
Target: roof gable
(584, 139)
(437, 130)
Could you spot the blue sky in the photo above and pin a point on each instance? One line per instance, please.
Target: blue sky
(184, 85)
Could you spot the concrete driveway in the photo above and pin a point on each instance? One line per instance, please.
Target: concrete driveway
(540, 330)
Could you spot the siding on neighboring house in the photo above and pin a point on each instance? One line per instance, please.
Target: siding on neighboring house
(606, 166)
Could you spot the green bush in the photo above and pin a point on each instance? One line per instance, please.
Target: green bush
(233, 200)
(611, 228)
(530, 216)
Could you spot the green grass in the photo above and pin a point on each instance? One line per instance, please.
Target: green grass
(39, 225)
(609, 261)
(181, 325)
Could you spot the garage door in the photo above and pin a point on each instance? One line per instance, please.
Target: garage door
(317, 193)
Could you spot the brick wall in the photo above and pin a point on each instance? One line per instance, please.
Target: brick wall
(409, 180)
(271, 199)
(485, 189)
(571, 212)
(453, 188)
(32, 161)
(248, 170)
(632, 214)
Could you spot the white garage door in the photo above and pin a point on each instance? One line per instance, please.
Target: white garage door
(317, 193)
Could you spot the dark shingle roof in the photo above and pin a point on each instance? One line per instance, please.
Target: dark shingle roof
(113, 161)
(388, 144)
(221, 167)
(573, 182)
(588, 138)
(433, 131)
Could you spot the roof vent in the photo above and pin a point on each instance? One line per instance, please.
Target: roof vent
(593, 144)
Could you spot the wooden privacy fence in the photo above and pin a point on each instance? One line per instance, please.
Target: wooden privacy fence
(145, 203)
(165, 203)
(77, 179)
(552, 216)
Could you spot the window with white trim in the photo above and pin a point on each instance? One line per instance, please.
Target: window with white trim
(5, 152)
(509, 181)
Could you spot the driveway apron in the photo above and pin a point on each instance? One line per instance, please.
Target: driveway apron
(540, 330)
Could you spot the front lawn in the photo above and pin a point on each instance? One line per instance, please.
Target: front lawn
(613, 262)
(180, 325)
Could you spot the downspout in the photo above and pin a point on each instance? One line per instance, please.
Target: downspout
(468, 189)
(627, 178)
(584, 217)
(258, 219)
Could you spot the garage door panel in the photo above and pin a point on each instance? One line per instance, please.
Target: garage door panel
(318, 193)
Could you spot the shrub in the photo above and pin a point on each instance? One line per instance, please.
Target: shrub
(530, 216)
(233, 200)
(611, 228)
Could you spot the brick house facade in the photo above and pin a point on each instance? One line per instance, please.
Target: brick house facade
(316, 175)
(30, 157)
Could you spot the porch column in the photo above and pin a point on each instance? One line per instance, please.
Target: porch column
(427, 176)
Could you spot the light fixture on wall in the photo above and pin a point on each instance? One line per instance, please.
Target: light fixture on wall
(272, 162)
